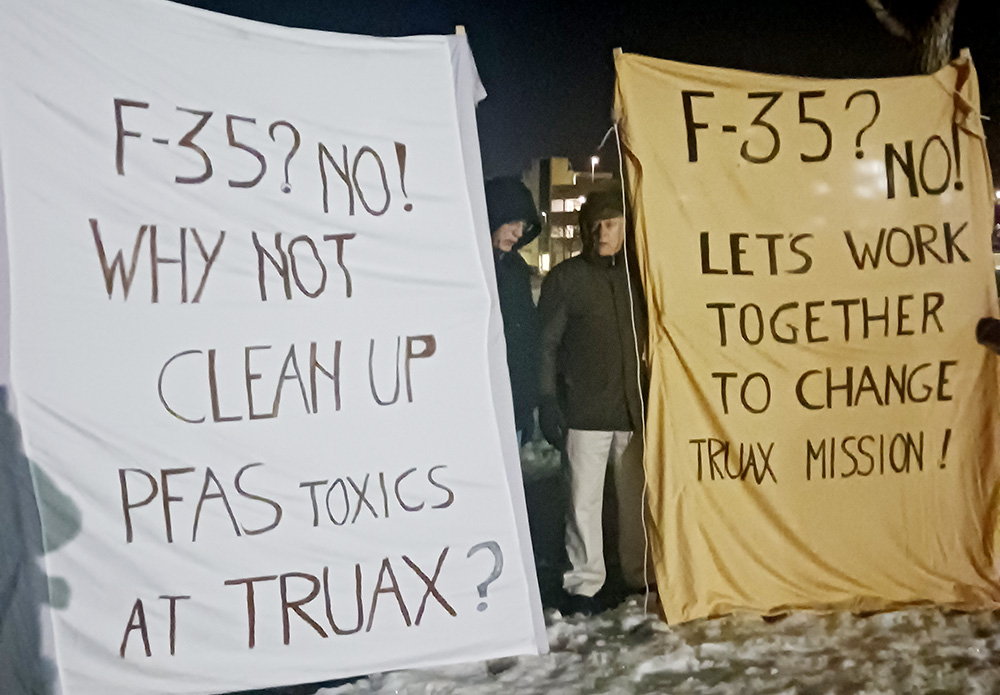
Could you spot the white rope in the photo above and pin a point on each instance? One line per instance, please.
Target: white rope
(638, 371)
(612, 129)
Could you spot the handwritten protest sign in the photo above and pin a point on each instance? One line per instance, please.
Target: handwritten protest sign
(255, 345)
(822, 424)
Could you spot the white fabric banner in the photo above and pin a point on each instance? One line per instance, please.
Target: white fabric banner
(256, 352)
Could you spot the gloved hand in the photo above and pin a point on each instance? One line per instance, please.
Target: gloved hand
(988, 333)
(528, 431)
(552, 422)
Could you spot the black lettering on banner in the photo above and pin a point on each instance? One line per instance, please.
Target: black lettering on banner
(315, 366)
(127, 504)
(399, 497)
(755, 408)
(294, 267)
(121, 133)
(720, 306)
(934, 162)
(136, 621)
(341, 171)
(249, 378)
(371, 373)
(690, 125)
(296, 605)
(385, 493)
(760, 122)
(866, 455)
(237, 482)
(706, 264)
(167, 498)
(806, 258)
(296, 375)
(876, 109)
(736, 252)
(357, 185)
(793, 330)
(311, 583)
(347, 504)
(173, 620)
(154, 263)
(347, 170)
(393, 588)
(362, 493)
(892, 157)
(772, 250)
(209, 259)
(901, 247)
(724, 461)
(119, 262)
(281, 266)
(233, 142)
(340, 239)
(312, 496)
(251, 603)
(286, 186)
(213, 387)
(757, 324)
(329, 608)
(811, 319)
(349, 495)
(723, 378)
(893, 384)
(756, 377)
(435, 483)
(931, 311)
(188, 142)
(431, 586)
(935, 190)
(827, 133)
(429, 348)
(205, 495)
(287, 264)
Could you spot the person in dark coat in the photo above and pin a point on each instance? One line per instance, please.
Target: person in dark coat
(513, 223)
(590, 405)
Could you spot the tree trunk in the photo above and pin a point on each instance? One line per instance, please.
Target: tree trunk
(933, 39)
(929, 31)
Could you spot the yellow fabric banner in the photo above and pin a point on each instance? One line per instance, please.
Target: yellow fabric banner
(822, 425)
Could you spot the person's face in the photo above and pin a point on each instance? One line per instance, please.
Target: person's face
(610, 236)
(506, 235)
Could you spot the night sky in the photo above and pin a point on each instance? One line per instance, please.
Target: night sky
(547, 65)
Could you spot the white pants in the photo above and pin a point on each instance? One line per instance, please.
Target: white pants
(589, 453)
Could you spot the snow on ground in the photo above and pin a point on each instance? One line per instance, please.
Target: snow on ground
(929, 651)
(625, 651)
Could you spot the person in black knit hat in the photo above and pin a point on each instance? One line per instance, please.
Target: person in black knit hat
(513, 223)
(590, 396)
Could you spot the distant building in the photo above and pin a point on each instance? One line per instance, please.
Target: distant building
(559, 191)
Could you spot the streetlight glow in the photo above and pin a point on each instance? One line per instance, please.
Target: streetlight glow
(594, 161)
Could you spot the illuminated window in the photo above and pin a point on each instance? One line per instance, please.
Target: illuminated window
(557, 205)
(570, 231)
(571, 205)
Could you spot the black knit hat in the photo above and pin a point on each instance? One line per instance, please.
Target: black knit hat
(509, 200)
(600, 205)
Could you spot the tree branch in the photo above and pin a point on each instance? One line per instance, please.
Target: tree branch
(887, 20)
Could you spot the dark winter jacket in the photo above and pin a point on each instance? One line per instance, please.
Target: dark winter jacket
(508, 200)
(588, 352)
